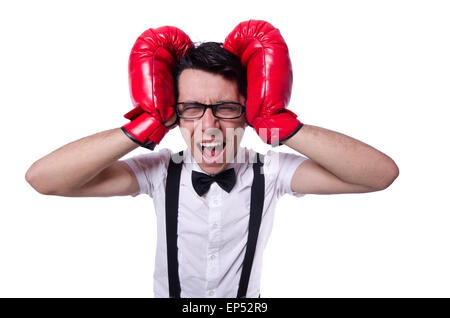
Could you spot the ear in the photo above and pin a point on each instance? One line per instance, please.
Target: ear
(242, 99)
(243, 102)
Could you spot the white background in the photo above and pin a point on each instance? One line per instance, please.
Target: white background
(378, 71)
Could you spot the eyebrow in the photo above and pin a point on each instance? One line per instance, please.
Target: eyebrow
(220, 101)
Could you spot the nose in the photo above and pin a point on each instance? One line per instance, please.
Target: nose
(208, 119)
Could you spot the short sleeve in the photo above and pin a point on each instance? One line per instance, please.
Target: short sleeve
(150, 169)
(281, 167)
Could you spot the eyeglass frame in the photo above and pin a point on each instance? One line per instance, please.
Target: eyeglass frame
(213, 109)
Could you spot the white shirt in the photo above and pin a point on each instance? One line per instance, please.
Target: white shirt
(213, 229)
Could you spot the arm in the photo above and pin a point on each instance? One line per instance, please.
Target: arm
(338, 163)
(89, 166)
(86, 167)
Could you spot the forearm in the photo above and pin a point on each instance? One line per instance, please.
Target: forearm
(350, 160)
(76, 163)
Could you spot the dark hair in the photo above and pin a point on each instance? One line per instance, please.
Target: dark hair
(212, 57)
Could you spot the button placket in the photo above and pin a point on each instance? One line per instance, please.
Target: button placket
(214, 237)
(213, 246)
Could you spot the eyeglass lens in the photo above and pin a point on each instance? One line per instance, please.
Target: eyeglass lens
(193, 110)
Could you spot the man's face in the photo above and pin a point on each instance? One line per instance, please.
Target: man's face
(207, 88)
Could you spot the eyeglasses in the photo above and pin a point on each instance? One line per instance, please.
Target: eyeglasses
(222, 110)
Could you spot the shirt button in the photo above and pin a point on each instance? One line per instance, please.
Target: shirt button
(215, 226)
(211, 293)
(213, 256)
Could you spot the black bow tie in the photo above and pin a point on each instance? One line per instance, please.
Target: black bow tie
(201, 181)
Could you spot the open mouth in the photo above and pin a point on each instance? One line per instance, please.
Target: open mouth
(211, 150)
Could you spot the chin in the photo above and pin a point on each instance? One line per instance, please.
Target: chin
(212, 158)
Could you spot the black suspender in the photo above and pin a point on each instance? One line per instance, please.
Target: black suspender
(172, 196)
(256, 208)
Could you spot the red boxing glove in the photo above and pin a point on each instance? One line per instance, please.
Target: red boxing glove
(263, 51)
(153, 60)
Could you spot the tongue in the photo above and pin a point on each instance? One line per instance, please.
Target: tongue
(210, 151)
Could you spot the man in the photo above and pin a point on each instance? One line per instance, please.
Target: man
(215, 207)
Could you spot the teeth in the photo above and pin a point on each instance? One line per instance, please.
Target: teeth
(211, 144)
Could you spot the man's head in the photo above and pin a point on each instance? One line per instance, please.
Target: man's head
(209, 74)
